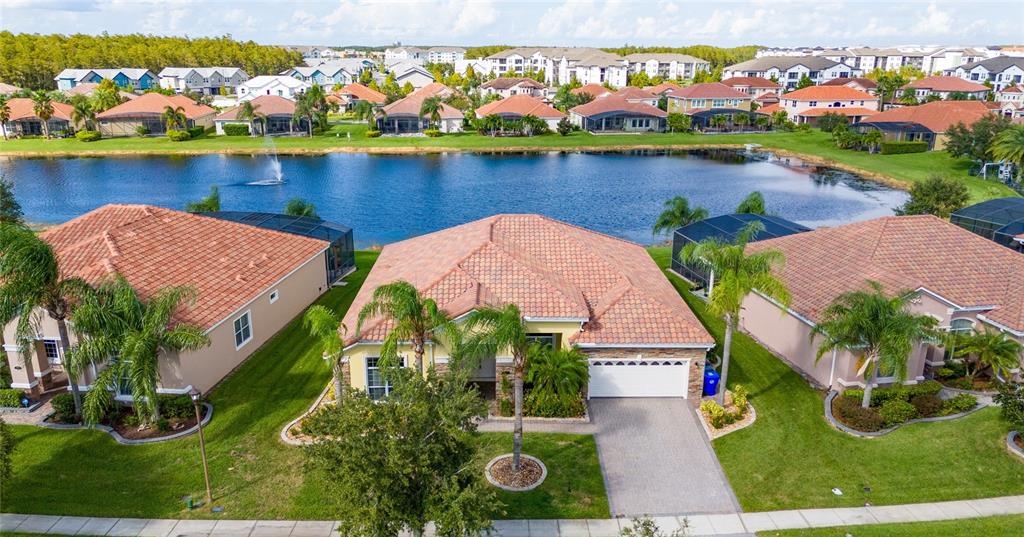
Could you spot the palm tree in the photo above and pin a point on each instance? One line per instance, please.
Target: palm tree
(678, 213)
(325, 325)
(247, 111)
(5, 114)
(106, 96)
(779, 117)
(300, 207)
(365, 111)
(413, 316)
(304, 109)
(496, 329)
(30, 278)
(880, 328)
(209, 204)
(1009, 146)
(562, 372)
(174, 117)
(738, 274)
(990, 348)
(741, 120)
(42, 107)
(431, 109)
(872, 139)
(82, 112)
(752, 204)
(719, 121)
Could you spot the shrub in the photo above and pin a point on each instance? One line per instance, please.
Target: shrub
(178, 136)
(900, 148)
(849, 411)
(10, 397)
(506, 407)
(432, 133)
(927, 405)
(88, 136)
(236, 129)
(944, 373)
(802, 128)
(176, 406)
(64, 406)
(549, 405)
(879, 396)
(960, 403)
(1011, 399)
(163, 425)
(196, 132)
(739, 398)
(715, 412)
(141, 130)
(564, 126)
(373, 133)
(896, 411)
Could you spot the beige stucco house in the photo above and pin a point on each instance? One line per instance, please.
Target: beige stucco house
(575, 287)
(962, 280)
(250, 282)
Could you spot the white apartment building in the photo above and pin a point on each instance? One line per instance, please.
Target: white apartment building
(1001, 71)
(204, 80)
(667, 65)
(788, 70)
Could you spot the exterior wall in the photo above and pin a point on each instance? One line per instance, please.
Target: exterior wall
(685, 106)
(416, 78)
(794, 108)
(33, 372)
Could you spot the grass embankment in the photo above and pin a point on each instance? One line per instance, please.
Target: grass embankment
(897, 170)
(997, 526)
(254, 474)
(791, 458)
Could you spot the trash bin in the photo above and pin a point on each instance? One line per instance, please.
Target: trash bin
(711, 378)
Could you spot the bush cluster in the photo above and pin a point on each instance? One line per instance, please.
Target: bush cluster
(718, 416)
(961, 403)
(900, 148)
(897, 411)
(373, 133)
(927, 405)
(178, 136)
(141, 130)
(88, 136)
(196, 132)
(176, 406)
(1011, 402)
(432, 133)
(64, 406)
(849, 412)
(903, 392)
(236, 129)
(10, 397)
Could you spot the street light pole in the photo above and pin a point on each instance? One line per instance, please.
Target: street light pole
(194, 394)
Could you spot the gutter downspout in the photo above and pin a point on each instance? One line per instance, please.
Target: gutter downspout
(711, 284)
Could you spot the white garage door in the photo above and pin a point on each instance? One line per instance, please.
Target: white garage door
(639, 378)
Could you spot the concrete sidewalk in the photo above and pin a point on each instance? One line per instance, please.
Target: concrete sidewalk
(699, 524)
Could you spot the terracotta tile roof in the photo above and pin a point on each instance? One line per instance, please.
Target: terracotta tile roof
(829, 93)
(227, 263)
(411, 104)
(937, 116)
(520, 105)
(503, 83)
(549, 269)
(768, 109)
(154, 103)
(594, 90)
(842, 81)
(633, 92)
(21, 108)
(708, 90)
(662, 88)
(613, 103)
(750, 82)
(268, 105)
(6, 88)
(767, 97)
(849, 111)
(87, 88)
(363, 93)
(946, 83)
(902, 252)
(1012, 89)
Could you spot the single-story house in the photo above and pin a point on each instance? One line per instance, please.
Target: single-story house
(574, 287)
(280, 85)
(617, 114)
(808, 104)
(23, 120)
(634, 94)
(944, 86)
(8, 89)
(351, 94)
(858, 83)
(130, 78)
(962, 280)
(509, 86)
(754, 86)
(204, 80)
(403, 116)
(1000, 220)
(250, 282)
(277, 115)
(925, 122)
(596, 91)
(147, 111)
(517, 106)
(88, 88)
(412, 73)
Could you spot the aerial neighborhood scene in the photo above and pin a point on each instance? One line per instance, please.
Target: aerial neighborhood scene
(559, 268)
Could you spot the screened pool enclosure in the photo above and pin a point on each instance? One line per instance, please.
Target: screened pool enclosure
(1000, 220)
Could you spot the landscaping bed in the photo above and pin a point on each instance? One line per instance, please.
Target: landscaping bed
(735, 415)
(894, 406)
(502, 474)
(177, 414)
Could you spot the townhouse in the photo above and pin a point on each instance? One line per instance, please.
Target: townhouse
(788, 71)
(130, 78)
(942, 87)
(327, 74)
(203, 80)
(1000, 72)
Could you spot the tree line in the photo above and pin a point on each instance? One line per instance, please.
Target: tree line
(33, 60)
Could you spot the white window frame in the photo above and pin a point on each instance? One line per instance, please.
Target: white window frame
(274, 295)
(235, 329)
(376, 366)
(56, 345)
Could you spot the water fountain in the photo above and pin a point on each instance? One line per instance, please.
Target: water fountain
(276, 175)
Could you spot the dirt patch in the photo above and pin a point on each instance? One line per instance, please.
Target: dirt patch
(1019, 440)
(529, 472)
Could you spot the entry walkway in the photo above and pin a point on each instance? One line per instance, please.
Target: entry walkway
(699, 524)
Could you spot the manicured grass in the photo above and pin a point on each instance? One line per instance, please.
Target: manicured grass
(997, 526)
(905, 169)
(254, 474)
(791, 458)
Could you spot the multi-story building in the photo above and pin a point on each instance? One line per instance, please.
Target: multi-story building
(666, 65)
(788, 70)
(129, 78)
(204, 80)
(1001, 71)
(445, 54)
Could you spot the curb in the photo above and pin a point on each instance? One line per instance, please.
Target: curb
(836, 424)
(316, 403)
(1012, 446)
(711, 431)
(128, 441)
(491, 480)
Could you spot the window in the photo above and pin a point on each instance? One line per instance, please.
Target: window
(273, 296)
(544, 339)
(52, 350)
(717, 103)
(376, 385)
(243, 330)
(961, 325)
(812, 104)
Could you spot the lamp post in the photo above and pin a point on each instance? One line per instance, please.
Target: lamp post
(194, 394)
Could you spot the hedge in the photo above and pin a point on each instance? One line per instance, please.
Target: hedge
(196, 132)
(88, 136)
(236, 129)
(10, 397)
(899, 148)
(178, 136)
(903, 392)
(373, 134)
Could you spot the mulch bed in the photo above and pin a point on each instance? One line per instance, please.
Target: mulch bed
(133, 432)
(529, 472)
(1019, 440)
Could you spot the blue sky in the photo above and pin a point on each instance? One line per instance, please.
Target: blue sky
(537, 22)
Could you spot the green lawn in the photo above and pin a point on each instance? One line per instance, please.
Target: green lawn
(791, 458)
(254, 475)
(901, 169)
(997, 526)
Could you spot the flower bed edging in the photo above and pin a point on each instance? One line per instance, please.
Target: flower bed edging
(131, 441)
(491, 480)
(713, 433)
(874, 434)
(1011, 444)
(285, 437)
(535, 419)
(21, 409)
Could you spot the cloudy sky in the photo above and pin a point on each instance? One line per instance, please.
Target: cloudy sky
(537, 22)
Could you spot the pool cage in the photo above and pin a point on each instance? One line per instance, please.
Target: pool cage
(999, 220)
(341, 258)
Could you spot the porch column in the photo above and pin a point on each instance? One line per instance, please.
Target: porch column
(23, 371)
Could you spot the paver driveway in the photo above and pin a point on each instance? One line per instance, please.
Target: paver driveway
(657, 459)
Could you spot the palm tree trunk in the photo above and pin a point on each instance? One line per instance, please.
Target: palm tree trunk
(336, 368)
(65, 344)
(417, 350)
(866, 401)
(156, 408)
(726, 350)
(517, 428)
(46, 130)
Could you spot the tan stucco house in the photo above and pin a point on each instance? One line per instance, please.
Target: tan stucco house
(962, 280)
(575, 287)
(250, 283)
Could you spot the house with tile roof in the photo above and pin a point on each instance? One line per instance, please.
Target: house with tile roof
(663, 88)
(808, 104)
(594, 90)
(942, 87)
(574, 287)
(962, 280)
(352, 94)
(754, 86)
(147, 111)
(1011, 101)
(276, 116)
(614, 113)
(8, 89)
(926, 122)
(130, 78)
(517, 106)
(509, 86)
(634, 94)
(203, 80)
(704, 101)
(250, 282)
(858, 83)
(88, 88)
(23, 120)
(404, 117)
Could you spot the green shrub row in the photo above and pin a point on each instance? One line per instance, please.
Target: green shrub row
(10, 397)
(848, 411)
(432, 133)
(88, 136)
(178, 136)
(549, 405)
(899, 148)
(196, 132)
(373, 133)
(960, 403)
(176, 406)
(236, 129)
(903, 392)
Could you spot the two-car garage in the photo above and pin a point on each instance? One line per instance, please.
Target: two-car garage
(639, 377)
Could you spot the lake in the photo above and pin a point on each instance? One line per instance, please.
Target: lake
(386, 198)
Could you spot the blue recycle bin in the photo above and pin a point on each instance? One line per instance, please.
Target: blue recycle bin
(711, 378)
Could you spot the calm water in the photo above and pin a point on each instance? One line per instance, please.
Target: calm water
(388, 198)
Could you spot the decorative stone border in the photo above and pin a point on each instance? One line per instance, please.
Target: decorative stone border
(21, 409)
(1011, 444)
(875, 434)
(490, 478)
(287, 438)
(713, 433)
(130, 441)
(531, 419)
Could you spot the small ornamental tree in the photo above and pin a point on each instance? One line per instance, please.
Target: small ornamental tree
(677, 122)
(1011, 401)
(937, 195)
